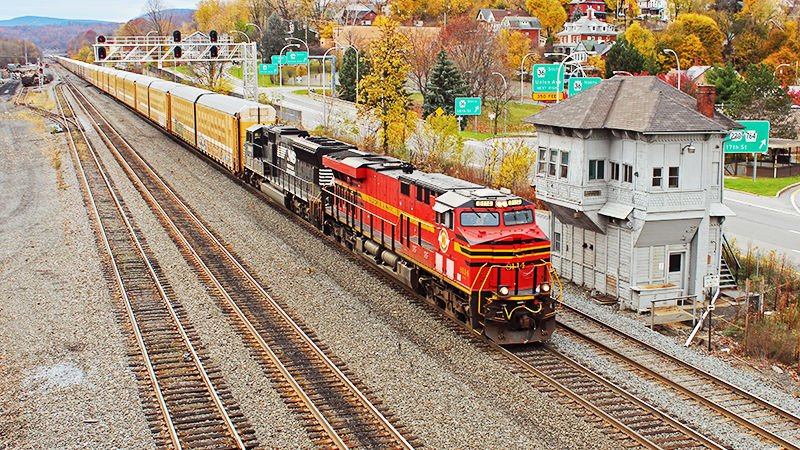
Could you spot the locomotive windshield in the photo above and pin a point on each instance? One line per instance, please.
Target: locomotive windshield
(479, 219)
(518, 217)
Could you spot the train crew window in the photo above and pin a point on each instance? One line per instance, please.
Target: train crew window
(404, 188)
(597, 169)
(518, 217)
(564, 164)
(627, 173)
(673, 177)
(479, 219)
(427, 197)
(615, 171)
(445, 219)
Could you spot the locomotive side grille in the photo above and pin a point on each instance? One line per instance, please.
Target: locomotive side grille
(326, 177)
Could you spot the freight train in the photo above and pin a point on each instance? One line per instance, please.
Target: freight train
(475, 252)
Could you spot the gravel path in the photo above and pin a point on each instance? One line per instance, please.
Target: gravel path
(440, 385)
(63, 367)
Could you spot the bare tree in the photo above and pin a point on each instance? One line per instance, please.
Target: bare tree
(158, 17)
(421, 56)
(474, 50)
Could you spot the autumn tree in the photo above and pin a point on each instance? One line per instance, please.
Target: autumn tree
(704, 29)
(383, 89)
(516, 46)
(550, 13)
(421, 56)
(678, 7)
(474, 49)
(761, 97)
(508, 164)
(641, 39)
(439, 147)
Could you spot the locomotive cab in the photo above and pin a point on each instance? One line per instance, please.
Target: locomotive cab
(502, 256)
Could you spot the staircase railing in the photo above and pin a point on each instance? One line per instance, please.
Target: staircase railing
(730, 258)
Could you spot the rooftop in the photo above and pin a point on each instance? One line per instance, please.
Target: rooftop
(641, 104)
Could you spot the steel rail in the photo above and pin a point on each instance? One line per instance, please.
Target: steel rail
(748, 395)
(685, 391)
(248, 324)
(137, 333)
(157, 282)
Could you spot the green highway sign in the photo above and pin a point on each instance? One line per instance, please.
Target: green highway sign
(297, 57)
(468, 106)
(547, 78)
(577, 84)
(279, 59)
(754, 138)
(268, 69)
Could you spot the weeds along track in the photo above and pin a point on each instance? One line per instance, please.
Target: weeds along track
(187, 403)
(715, 397)
(335, 410)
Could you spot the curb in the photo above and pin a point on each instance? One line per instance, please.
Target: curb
(787, 188)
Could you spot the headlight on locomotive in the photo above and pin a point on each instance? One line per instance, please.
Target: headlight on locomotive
(503, 291)
(543, 288)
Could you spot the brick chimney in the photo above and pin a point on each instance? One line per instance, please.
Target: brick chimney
(706, 93)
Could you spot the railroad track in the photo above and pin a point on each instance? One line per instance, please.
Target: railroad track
(335, 410)
(721, 400)
(189, 404)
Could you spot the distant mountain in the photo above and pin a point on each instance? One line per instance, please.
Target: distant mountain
(39, 21)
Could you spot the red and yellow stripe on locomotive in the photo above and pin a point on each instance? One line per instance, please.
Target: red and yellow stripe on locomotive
(474, 251)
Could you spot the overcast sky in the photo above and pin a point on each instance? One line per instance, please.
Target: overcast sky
(110, 10)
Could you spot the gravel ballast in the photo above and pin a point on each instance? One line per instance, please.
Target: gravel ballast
(440, 385)
(64, 373)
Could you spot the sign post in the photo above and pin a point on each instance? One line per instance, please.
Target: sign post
(754, 138)
(548, 81)
(469, 106)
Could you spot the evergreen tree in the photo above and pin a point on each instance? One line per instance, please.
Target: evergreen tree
(272, 40)
(347, 73)
(726, 81)
(444, 86)
(624, 57)
(761, 97)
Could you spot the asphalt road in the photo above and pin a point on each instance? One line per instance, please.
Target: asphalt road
(768, 223)
(9, 88)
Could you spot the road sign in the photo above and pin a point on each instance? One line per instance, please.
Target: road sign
(439, 111)
(492, 115)
(548, 78)
(578, 84)
(754, 138)
(545, 96)
(468, 106)
(279, 59)
(297, 57)
(268, 69)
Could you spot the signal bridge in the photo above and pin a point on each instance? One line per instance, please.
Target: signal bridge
(197, 47)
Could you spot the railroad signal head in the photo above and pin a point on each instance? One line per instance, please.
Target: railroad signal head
(177, 52)
(101, 53)
(101, 39)
(176, 36)
(212, 35)
(214, 51)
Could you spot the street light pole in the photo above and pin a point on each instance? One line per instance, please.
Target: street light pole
(778, 68)
(677, 63)
(561, 67)
(308, 60)
(522, 78)
(243, 34)
(280, 63)
(505, 105)
(325, 55)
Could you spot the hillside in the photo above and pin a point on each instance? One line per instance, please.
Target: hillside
(39, 21)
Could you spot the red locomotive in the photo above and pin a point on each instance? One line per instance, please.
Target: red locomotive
(474, 251)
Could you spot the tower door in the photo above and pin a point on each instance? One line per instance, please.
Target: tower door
(676, 268)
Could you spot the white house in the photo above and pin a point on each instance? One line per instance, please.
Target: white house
(631, 170)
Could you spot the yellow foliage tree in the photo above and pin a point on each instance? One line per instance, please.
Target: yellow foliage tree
(641, 39)
(550, 13)
(759, 12)
(508, 164)
(785, 55)
(599, 63)
(690, 50)
(516, 46)
(383, 94)
(678, 7)
(704, 28)
(632, 9)
(439, 147)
